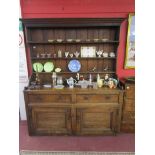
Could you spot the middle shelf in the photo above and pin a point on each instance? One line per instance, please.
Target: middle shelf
(97, 72)
(63, 58)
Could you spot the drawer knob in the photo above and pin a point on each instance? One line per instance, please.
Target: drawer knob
(85, 98)
(59, 97)
(127, 87)
(107, 97)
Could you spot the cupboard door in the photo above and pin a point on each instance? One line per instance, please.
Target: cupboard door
(49, 120)
(98, 120)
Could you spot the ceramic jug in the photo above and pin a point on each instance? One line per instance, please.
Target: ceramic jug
(71, 82)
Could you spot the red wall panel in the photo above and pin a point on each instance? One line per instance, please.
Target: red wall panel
(85, 9)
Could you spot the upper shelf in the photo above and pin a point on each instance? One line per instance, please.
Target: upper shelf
(73, 42)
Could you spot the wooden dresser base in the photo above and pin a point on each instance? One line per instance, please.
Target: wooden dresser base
(74, 112)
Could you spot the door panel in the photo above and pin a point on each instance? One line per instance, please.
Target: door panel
(50, 120)
(97, 120)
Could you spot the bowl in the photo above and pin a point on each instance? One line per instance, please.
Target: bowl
(50, 40)
(57, 70)
(43, 55)
(96, 40)
(83, 83)
(69, 40)
(77, 40)
(105, 54)
(105, 39)
(59, 40)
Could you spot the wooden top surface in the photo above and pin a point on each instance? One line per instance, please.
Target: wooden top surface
(75, 90)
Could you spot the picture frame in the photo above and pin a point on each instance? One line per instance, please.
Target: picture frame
(88, 51)
(130, 44)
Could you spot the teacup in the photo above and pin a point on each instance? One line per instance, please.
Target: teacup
(43, 55)
(76, 54)
(71, 55)
(48, 55)
(99, 53)
(66, 54)
(112, 54)
(105, 54)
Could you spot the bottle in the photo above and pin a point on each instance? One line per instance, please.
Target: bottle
(54, 79)
(98, 77)
(90, 79)
(99, 81)
(77, 76)
(59, 54)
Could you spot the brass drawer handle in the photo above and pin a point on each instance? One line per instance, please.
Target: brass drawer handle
(85, 97)
(127, 87)
(59, 97)
(107, 97)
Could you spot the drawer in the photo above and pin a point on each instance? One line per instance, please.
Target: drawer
(50, 98)
(96, 98)
(129, 91)
(128, 117)
(129, 105)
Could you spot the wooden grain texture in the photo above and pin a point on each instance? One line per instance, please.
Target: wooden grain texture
(128, 110)
(51, 120)
(73, 111)
(96, 120)
(68, 112)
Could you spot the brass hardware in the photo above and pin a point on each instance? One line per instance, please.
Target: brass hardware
(107, 97)
(127, 87)
(85, 98)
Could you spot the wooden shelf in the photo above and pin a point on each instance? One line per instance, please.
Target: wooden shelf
(97, 72)
(35, 58)
(82, 42)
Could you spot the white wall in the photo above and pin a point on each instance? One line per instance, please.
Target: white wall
(23, 78)
(23, 72)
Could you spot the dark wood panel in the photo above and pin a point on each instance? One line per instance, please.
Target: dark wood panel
(82, 34)
(37, 49)
(128, 117)
(96, 121)
(37, 35)
(49, 34)
(59, 34)
(128, 128)
(71, 34)
(129, 105)
(128, 113)
(49, 121)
